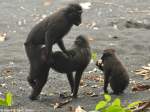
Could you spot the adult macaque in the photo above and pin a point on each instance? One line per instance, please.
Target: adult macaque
(79, 58)
(48, 32)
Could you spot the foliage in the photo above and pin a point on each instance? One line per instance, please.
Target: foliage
(7, 101)
(94, 55)
(114, 106)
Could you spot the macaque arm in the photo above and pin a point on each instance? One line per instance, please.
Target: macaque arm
(101, 67)
(61, 45)
(106, 80)
(49, 41)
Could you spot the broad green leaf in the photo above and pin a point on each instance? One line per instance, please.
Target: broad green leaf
(134, 104)
(115, 108)
(100, 105)
(116, 102)
(107, 97)
(94, 55)
(9, 99)
(2, 102)
(1, 99)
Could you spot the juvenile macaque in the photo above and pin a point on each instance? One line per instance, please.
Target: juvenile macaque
(114, 72)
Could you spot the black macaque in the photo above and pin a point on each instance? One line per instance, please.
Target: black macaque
(48, 32)
(52, 30)
(78, 59)
(114, 72)
(39, 70)
(80, 56)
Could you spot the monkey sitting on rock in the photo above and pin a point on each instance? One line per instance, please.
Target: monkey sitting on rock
(114, 72)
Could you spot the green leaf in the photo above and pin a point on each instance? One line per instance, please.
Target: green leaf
(107, 97)
(2, 102)
(9, 99)
(94, 55)
(127, 110)
(101, 105)
(115, 108)
(116, 102)
(134, 104)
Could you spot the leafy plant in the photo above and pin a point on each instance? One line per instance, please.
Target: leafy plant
(7, 101)
(132, 105)
(94, 55)
(115, 106)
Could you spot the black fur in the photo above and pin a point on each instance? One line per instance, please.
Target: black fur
(79, 58)
(48, 32)
(114, 72)
(52, 30)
